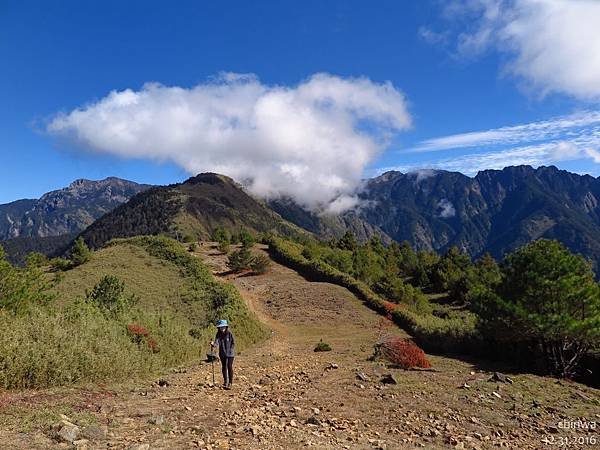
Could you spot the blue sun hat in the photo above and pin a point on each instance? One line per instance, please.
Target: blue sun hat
(222, 323)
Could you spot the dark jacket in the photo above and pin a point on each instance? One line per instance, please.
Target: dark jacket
(226, 344)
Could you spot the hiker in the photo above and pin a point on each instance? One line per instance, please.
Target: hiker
(224, 340)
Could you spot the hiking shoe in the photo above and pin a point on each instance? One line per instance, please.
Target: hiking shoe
(228, 387)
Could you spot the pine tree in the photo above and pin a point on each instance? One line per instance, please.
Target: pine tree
(80, 253)
(239, 260)
(547, 295)
(347, 242)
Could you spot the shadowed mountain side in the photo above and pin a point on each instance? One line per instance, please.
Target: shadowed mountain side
(496, 211)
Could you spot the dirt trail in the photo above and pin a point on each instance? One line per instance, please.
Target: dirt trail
(286, 396)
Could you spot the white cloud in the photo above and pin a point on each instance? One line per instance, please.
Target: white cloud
(432, 37)
(573, 125)
(447, 209)
(534, 155)
(423, 174)
(311, 141)
(551, 45)
(593, 154)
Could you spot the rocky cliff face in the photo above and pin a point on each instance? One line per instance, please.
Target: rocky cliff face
(65, 211)
(496, 211)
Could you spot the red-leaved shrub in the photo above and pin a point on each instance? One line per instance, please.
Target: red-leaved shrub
(139, 334)
(137, 330)
(403, 352)
(152, 345)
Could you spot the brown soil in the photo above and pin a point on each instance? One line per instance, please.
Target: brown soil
(287, 396)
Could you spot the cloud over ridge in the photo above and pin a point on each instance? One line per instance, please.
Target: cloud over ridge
(565, 138)
(311, 141)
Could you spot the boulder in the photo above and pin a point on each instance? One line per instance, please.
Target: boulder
(94, 433)
(389, 379)
(68, 433)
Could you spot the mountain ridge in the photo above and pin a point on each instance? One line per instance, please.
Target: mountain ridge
(495, 211)
(67, 210)
(195, 207)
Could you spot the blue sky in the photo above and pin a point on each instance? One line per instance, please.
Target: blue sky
(453, 67)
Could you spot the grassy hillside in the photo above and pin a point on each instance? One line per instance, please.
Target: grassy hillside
(158, 284)
(192, 209)
(156, 311)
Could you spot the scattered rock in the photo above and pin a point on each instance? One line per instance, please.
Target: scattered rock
(68, 433)
(362, 377)
(313, 421)
(140, 447)
(94, 433)
(66, 423)
(500, 378)
(163, 383)
(389, 379)
(582, 396)
(465, 386)
(156, 420)
(331, 366)
(495, 394)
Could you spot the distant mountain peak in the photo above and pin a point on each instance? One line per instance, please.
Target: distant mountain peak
(65, 211)
(193, 208)
(210, 178)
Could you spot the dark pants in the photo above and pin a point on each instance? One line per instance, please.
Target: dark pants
(227, 369)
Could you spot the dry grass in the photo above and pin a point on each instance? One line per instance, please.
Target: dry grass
(154, 281)
(74, 341)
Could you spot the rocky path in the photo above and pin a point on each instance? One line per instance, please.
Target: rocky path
(286, 396)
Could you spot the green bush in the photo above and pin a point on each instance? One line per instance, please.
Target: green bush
(59, 264)
(219, 234)
(109, 295)
(260, 264)
(80, 253)
(36, 259)
(21, 289)
(239, 260)
(224, 247)
(322, 347)
(246, 239)
(192, 247)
